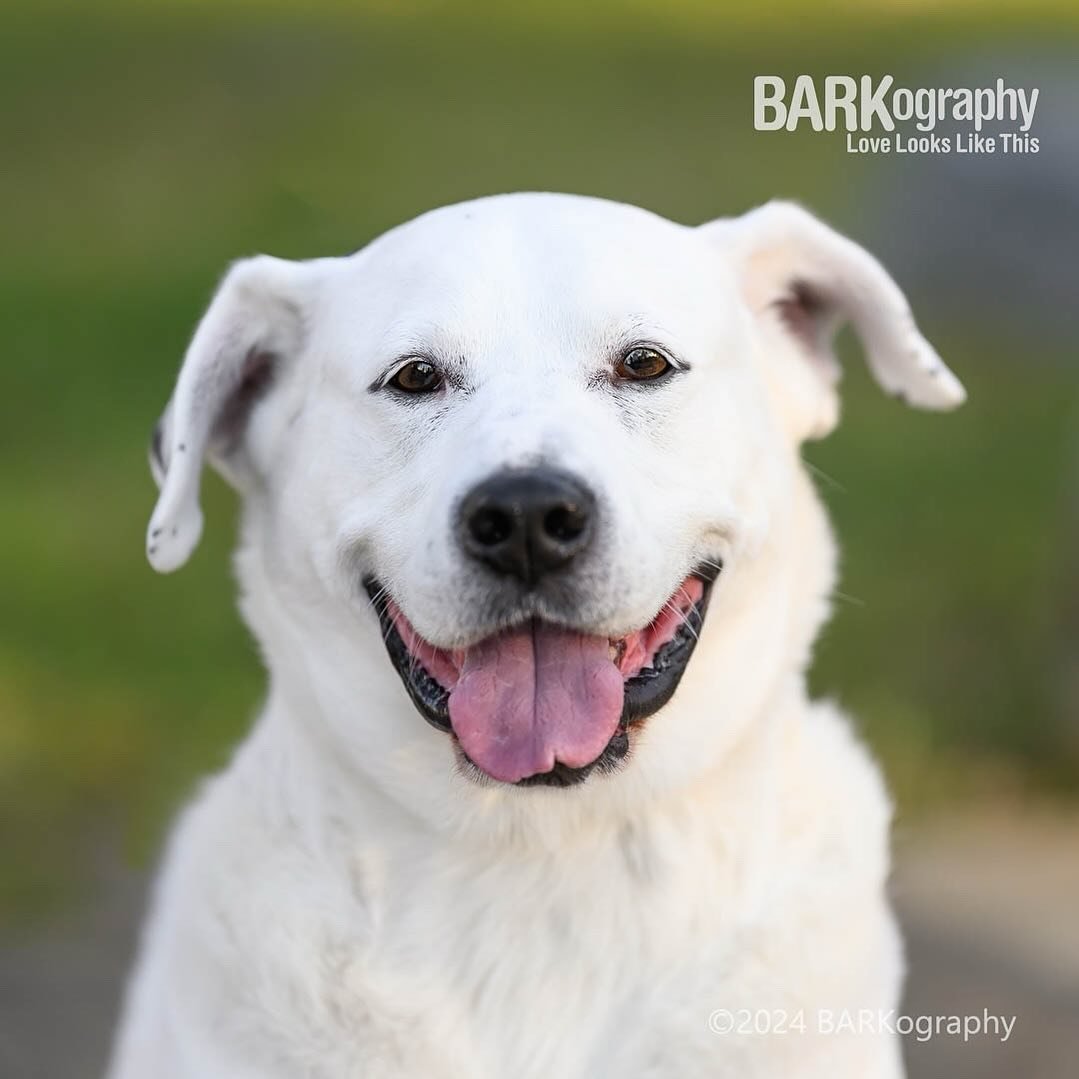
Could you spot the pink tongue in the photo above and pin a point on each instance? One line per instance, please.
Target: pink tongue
(536, 695)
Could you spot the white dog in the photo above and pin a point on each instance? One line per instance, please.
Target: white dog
(503, 815)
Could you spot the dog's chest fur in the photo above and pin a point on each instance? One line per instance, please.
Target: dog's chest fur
(516, 961)
(329, 952)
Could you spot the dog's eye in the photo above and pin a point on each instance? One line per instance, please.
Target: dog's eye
(417, 376)
(642, 365)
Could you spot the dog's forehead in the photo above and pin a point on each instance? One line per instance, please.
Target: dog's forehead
(516, 264)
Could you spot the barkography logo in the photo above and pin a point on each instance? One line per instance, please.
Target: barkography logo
(882, 118)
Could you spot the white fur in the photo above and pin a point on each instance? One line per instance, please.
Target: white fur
(341, 901)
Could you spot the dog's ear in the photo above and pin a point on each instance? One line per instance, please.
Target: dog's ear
(254, 325)
(803, 280)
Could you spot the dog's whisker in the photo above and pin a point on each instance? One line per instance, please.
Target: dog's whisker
(670, 604)
(829, 479)
(845, 597)
(380, 600)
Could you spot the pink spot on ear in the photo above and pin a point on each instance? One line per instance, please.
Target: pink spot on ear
(801, 309)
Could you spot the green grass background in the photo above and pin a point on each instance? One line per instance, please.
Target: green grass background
(144, 146)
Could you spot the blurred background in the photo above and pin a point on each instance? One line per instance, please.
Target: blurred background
(144, 146)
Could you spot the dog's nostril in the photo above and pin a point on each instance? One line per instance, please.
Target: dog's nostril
(564, 523)
(525, 523)
(491, 526)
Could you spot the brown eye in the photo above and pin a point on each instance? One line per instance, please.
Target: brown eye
(642, 365)
(417, 376)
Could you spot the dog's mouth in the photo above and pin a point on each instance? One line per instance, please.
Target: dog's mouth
(540, 703)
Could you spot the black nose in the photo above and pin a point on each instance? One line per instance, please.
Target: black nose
(527, 523)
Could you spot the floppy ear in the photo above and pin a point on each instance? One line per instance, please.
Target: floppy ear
(254, 325)
(803, 280)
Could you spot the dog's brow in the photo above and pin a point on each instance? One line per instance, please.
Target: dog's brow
(640, 330)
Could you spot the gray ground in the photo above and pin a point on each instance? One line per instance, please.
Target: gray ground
(989, 906)
(991, 909)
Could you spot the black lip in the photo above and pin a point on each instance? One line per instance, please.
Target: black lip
(645, 693)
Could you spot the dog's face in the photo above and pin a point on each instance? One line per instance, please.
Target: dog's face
(522, 437)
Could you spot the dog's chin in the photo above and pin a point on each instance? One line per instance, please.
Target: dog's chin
(539, 704)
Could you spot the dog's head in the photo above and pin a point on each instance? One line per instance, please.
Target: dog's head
(522, 440)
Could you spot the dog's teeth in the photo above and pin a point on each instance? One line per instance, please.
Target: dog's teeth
(616, 650)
